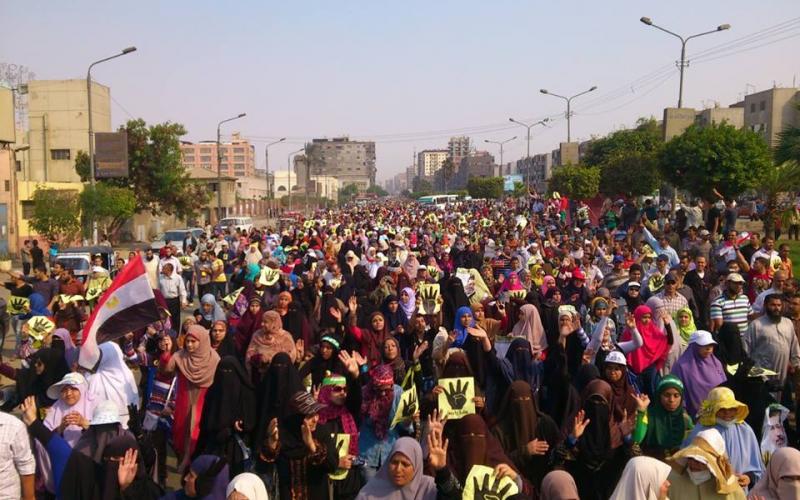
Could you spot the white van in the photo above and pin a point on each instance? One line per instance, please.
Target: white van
(242, 223)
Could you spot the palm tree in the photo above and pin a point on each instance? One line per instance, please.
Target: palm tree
(780, 178)
(788, 148)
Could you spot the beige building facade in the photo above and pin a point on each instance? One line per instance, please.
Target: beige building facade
(430, 161)
(238, 156)
(770, 111)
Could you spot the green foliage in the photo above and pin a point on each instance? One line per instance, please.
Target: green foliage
(576, 181)
(376, 189)
(788, 148)
(718, 157)
(56, 213)
(109, 205)
(485, 187)
(156, 175)
(646, 137)
(519, 189)
(774, 180)
(633, 173)
(82, 167)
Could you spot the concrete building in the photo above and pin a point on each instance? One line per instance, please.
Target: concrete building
(209, 179)
(282, 182)
(325, 186)
(251, 188)
(411, 173)
(458, 148)
(538, 170)
(477, 164)
(732, 116)
(351, 162)
(59, 126)
(770, 111)
(430, 161)
(238, 156)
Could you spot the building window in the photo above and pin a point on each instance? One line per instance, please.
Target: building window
(7, 185)
(762, 105)
(238, 158)
(205, 150)
(28, 208)
(19, 165)
(238, 166)
(238, 150)
(59, 154)
(205, 158)
(752, 107)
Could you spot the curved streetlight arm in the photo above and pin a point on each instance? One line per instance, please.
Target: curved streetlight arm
(240, 115)
(582, 93)
(702, 34)
(671, 33)
(124, 52)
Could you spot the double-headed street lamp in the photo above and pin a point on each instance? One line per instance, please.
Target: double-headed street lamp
(219, 163)
(528, 153)
(124, 51)
(266, 163)
(501, 144)
(569, 102)
(289, 171)
(682, 63)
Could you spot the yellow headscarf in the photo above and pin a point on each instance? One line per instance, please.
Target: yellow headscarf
(720, 398)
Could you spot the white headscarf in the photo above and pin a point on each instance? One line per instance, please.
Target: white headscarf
(641, 479)
(249, 485)
(114, 381)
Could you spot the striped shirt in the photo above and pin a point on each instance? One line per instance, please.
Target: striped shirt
(733, 310)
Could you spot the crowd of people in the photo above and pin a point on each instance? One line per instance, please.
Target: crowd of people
(518, 348)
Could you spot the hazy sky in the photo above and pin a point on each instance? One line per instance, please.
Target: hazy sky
(407, 74)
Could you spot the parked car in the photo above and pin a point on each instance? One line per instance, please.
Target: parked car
(175, 236)
(242, 223)
(80, 259)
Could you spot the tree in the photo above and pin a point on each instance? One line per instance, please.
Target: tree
(376, 189)
(347, 193)
(788, 148)
(632, 173)
(156, 174)
(646, 137)
(56, 213)
(576, 181)
(485, 187)
(421, 187)
(519, 189)
(448, 170)
(110, 206)
(774, 180)
(82, 167)
(719, 157)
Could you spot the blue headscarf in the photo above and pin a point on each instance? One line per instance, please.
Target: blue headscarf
(280, 255)
(461, 331)
(252, 271)
(38, 307)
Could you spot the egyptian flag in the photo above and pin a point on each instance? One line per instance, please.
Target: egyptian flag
(127, 305)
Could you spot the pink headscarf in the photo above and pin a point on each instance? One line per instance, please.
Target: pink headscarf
(548, 282)
(530, 327)
(655, 347)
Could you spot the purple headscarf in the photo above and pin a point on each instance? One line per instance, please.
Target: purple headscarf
(70, 351)
(421, 487)
(699, 375)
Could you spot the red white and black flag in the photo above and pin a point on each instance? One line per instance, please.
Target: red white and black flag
(127, 305)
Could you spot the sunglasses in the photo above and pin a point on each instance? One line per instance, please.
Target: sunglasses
(339, 388)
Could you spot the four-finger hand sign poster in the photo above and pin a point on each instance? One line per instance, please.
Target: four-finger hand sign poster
(457, 397)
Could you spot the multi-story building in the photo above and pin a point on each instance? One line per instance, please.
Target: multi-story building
(732, 116)
(351, 162)
(536, 170)
(238, 156)
(458, 149)
(770, 111)
(477, 164)
(411, 173)
(430, 161)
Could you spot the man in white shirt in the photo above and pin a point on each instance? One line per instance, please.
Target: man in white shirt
(17, 465)
(170, 258)
(173, 290)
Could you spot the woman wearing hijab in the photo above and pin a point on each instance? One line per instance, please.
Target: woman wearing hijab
(221, 341)
(453, 297)
(518, 365)
(702, 470)
(195, 365)
(70, 350)
(396, 320)
(371, 338)
(668, 424)
(686, 327)
(699, 370)
(525, 433)
(558, 485)
(647, 360)
(229, 414)
(379, 401)
(46, 367)
(69, 316)
(119, 473)
(529, 326)
(408, 302)
(391, 356)
(266, 343)
(248, 324)
(492, 327)
(291, 318)
(723, 412)
(644, 478)
(302, 450)
(782, 477)
(209, 311)
(207, 479)
(401, 477)
(246, 486)
(602, 342)
(325, 360)
(113, 380)
(615, 372)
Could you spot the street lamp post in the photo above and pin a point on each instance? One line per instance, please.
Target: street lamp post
(569, 102)
(501, 144)
(219, 163)
(266, 167)
(682, 63)
(289, 171)
(124, 51)
(528, 153)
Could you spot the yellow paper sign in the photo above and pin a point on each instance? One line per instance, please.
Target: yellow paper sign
(92, 293)
(342, 449)
(269, 276)
(407, 407)
(483, 483)
(517, 294)
(230, 299)
(458, 397)
(40, 326)
(66, 299)
(430, 298)
(17, 305)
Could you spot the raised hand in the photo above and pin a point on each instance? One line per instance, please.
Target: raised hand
(420, 349)
(537, 447)
(456, 395)
(28, 408)
(308, 437)
(409, 407)
(436, 422)
(349, 362)
(126, 472)
(627, 424)
(359, 358)
(477, 332)
(352, 303)
(642, 401)
(487, 491)
(503, 470)
(272, 434)
(336, 313)
(437, 449)
(630, 321)
(580, 424)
